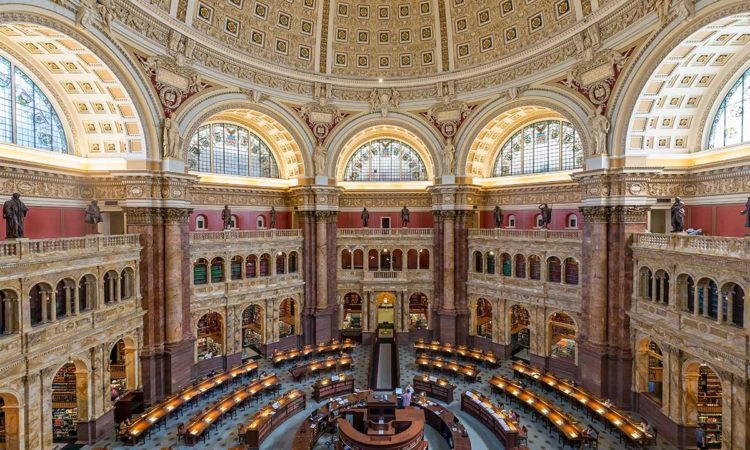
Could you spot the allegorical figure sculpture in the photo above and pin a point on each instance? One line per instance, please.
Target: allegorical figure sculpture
(497, 214)
(226, 217)
(746, 212)
(678, 216)
(546, 215)
(405, 216)
(320, 160)
(14, 213)
(449, 154)
(171, 138)
(273, 217)
(365, 216)
(600, 128)
(93, 216)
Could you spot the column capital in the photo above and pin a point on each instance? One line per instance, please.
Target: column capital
(614, 214)
(157, 216)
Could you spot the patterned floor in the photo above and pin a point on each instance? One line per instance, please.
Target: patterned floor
(225, 436)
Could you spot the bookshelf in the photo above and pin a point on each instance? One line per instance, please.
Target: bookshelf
(64, 405)
(709, 406)
(210, 336)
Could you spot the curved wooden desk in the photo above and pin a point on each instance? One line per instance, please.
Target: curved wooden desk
(293, 354)
(324, 365)
(268, 418)
(461, 351)
(444, 421)
(405, 431)
(311, 429)
(453, 367)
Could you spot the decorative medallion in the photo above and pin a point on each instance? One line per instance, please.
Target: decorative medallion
(596, 78)
(173, 82)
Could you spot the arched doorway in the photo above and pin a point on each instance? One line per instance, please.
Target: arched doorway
(122, 368)
(69, 401)
(287, 318)
(209, 342)
(10, 422)
(385, 302)
(9, 313)
(520, 333)
(252, 330)
(650, 370)
(352, 311)
(703, 401)
(562, 336)
(418, 311)
(484, 318)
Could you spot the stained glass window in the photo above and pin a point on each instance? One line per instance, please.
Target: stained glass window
(732, 125)
(544, 146)
(385, 160)
(26, 115)
(231, 149)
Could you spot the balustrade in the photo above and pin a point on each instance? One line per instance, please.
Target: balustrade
(242, 235)
(704, 245)
(24, 249)
(527, 235)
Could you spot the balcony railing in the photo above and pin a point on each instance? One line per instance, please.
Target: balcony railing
(704, 245)
(526, 235)
(30, 248)
(242, 235)
(357, 232)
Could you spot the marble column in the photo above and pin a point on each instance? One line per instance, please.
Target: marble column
(321, 254)
(172, 280)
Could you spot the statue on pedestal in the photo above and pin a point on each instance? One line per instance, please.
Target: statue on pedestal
(497, 214)
(14, 213)
(93, 216)
(226, 217)
(405, 216)
(365, 216)
(746, 213)
(546, 215)
(273, 218)
(678, 215)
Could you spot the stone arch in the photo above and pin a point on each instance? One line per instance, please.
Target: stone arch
(649, 369)
(124, 364)
(10, 312)
(278, 125)
(74, 390)
(12, 412)
(350, 135)
(519, 327)
(353, 313)
(500, 118)
(647, 63)
(134, 87)
(289, 317)
(732, 297)
(562, 335)
(40, 303)
(693, 378)
(253, 328)
(210, 332)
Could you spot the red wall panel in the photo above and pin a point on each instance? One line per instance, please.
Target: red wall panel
(352, 219)
(46, 223)
(526, 218)
(717, 220)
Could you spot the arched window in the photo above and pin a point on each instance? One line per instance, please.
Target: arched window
(235, 268)
(411, 259)
(251, 266)
(346, 259)
(200, 272)
(234, 222)
(398, 259)
(265, 265)
(732, 124)
(571, 271)
(511, 221)
(372, 260)
(535, 267)
(231, 149)
(359, 259)
(293, 262)
(571, 221)
(520, 266)
(201, 223)
(544, 146)
(385, 160)
(478, 262)
(424, 259)
(554, 270)
(280, 261)
(490, 256)
(261, 223)
(217, 270)
(538, 221)
(507, 263)
(28, 118)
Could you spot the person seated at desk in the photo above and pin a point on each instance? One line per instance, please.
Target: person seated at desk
(263, 374)
(647, 428)
(123, 428)
(608, 403)
(590, 433)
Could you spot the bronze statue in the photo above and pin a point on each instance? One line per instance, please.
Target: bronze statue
(365, 216)
(14, 212)
(273, 218)
(546, 216)
(405, 216)
(226, 217)
(746, 212)
(93, 216)
(678, 215)
(498, 215)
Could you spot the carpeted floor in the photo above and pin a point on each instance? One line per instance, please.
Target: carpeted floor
(225, 436)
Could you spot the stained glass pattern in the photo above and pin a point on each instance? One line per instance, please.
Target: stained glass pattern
(26, 115)
(544, 146)
(230, 149)
(731, 125)
(385, 160)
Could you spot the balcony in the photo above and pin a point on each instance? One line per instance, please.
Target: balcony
(368, 232)
(527, 235)
(698, 245)
(199, 237)
(14, 252)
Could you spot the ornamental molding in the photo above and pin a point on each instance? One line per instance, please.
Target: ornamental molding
(567, 192)
(385, 199)
(156, 25)
(595, 79)
(173, 81)
(234, 196)
(449, 114)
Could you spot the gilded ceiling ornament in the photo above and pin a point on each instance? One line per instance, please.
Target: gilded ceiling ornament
(384, 100)
(320, 115)
(448, 114)
(596, 78)
(174, 83)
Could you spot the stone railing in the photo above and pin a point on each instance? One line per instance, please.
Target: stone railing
(242, 235)
(526, 235)
(370, 232)
(703, 245)
(24, 249)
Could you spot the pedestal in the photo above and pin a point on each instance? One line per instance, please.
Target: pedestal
(93, 431)
(447, 330)
(178, 362)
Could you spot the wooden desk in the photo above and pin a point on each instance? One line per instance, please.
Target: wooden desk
(311, 429)
(404, 431)
(482, 408)
(294, 354)
(324, 365)
(198, 427)
(330, 386)
(571, 432)
(445, 422)
(474, 354)
(434, 387)
(170, 405)
(268, 418)
(467, 370)
(609, 415)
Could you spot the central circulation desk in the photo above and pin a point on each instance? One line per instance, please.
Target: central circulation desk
(611, 416)
(482, 408)
(571, 431)
(311, 429)
(445, 422)
(382, 427)
(269, 417)
(170, 405)
(438, 388)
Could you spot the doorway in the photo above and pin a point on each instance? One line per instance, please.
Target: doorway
(385, 302)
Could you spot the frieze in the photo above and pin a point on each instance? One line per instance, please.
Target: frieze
(385, 200)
